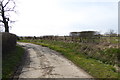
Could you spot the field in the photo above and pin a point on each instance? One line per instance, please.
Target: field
(99, 57)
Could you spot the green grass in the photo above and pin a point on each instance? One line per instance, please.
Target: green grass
(94, 67)
(107, 55)
(10, 61)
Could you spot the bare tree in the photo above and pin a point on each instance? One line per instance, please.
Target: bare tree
(6, 7)
(111, 33)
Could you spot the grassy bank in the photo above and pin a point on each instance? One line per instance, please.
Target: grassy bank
(94, 67)
(10, 62)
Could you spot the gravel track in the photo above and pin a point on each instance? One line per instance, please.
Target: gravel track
(42, 62)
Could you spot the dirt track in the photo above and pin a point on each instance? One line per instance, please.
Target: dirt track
(43, 62)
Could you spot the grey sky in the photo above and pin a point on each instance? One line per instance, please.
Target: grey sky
(59, 17)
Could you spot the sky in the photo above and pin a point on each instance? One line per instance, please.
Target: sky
(60, 17)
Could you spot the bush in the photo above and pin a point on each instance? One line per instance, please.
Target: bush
(8, 42)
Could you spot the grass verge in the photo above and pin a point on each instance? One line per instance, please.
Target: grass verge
(94, 67)
(10, 62)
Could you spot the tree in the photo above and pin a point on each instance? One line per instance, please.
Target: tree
(6, 7)
(111, 33)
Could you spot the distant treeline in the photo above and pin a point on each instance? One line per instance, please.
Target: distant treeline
(84, 36)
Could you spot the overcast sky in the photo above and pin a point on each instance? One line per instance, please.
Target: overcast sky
(60, 17)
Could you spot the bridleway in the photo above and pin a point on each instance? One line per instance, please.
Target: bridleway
(42, 62)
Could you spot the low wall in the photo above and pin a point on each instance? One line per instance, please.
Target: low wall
(8, 42)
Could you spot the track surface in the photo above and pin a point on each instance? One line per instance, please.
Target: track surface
(42, 62)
